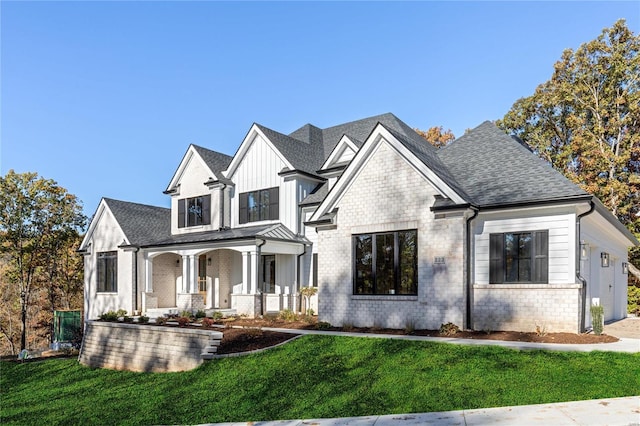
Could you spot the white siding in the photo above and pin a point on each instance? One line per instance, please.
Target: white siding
(258, 169)
(561, 227)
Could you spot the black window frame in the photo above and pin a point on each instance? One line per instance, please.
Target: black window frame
(504, 265)
(107, 272)
(266, 205)
(377, 270)
(188, 215)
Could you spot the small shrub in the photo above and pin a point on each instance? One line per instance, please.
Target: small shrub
(253, 331)
(121, 313)
(287, 315)
(409, 327)
(310, 312)
(200, 314)
(186, 314)
(143, 319)
(161, 320)
(109, 316)
(541, 330)
(183, 321)
(323, 325)
(207, 322)
(217, 316)
(449, 329)
(633, 300)
(127, 319)
(597, 319)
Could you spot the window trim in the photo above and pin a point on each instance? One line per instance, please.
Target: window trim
(104, 258)
(502, 257)
(374, 266)
(183, 211)
(266, 210)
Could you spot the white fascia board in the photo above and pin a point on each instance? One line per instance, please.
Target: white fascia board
(103, 208)
(248, 140)
(378, 136)
(344, 143)
(186, 159)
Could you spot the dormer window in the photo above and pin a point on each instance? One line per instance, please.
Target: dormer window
(259, 205)
(194, 211)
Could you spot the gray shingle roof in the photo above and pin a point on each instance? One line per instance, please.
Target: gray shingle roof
(494, 168)
(141, 223)
(317, 195)
(216, 161)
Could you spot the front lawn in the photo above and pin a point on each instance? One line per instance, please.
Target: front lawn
(314, 376)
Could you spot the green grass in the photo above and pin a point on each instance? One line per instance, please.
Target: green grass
(314, 376)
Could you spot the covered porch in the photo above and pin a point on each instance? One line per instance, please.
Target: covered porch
(244, 276)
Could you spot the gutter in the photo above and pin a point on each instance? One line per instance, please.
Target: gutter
(299, 269)
(259, 280)
(583, 292)
(469, 284)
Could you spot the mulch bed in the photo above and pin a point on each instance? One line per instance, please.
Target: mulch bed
(252, 337)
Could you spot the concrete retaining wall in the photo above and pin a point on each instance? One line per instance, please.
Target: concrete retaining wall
(134, 347)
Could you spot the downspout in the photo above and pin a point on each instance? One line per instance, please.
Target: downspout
(583, 293)
(259, 278)
(299, 278)
(135, 278)
(224, 186)
(469, 284)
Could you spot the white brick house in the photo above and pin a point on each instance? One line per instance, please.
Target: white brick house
(394, 232)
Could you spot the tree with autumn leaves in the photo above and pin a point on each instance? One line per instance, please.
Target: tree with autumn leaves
(40, 225)
(586, 121)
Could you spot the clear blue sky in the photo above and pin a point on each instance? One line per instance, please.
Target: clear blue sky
(105, 97)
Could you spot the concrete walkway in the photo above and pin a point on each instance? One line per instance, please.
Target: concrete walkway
(612, 412)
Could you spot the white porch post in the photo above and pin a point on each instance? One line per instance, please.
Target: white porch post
(185, 274)
(148, 274)
(245, 272)
(254, 272)
(193, 274)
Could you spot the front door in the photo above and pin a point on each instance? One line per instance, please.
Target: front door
(268, 274)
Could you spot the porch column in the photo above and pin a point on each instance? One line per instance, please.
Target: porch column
(193, 274)
(185, 274)
(254, 272)
(148, 274)
(245, 272)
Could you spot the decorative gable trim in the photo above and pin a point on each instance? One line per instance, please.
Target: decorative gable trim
(248, 140)
(190, 155)
(344, 146)
(380, 135)
(101, 211)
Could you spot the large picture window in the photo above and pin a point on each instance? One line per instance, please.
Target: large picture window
(386, 263)
(519, 257)
(194, 211)
(259, 205)
(107, 272)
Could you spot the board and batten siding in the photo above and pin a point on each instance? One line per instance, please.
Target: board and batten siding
(561, 229)
(258, 169)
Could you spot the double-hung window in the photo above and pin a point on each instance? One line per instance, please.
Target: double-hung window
(194, 211)
(386, 263)
(519, 257)
(259, 205)
(107, 272)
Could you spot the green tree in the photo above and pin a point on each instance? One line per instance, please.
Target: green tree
(436, 136)
(38, 219)
(586, 121)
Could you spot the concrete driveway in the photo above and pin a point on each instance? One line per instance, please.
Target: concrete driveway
(626, 328)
